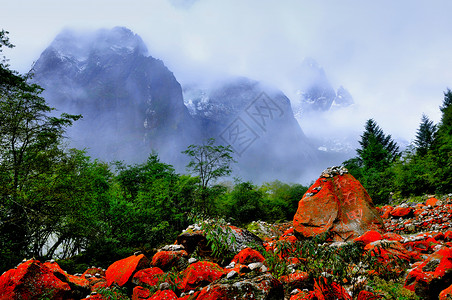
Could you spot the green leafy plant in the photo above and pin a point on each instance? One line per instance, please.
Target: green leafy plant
(392, 289)
(113, 293)
(220, 237)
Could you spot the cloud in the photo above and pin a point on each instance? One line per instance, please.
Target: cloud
(393, 56)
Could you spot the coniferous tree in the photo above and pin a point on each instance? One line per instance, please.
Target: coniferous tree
(377, 149)
(442, 146)
(424, 135)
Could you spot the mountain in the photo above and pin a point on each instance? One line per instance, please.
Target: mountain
(258, 122)
(131, 103)
(313, 92)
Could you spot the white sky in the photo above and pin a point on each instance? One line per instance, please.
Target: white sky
(395, 57)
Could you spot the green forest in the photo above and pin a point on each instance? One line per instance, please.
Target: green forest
(96, 212)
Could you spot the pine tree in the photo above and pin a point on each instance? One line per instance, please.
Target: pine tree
(424, 135)
(377, 149)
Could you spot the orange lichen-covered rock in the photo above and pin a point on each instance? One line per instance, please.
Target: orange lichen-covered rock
(297, 279)
(79, 285)
(446, 294)
(391, 236)
(369, 237)
(337, 204)
(248, 256)
(166, 260)
(164, 295)
(385, 211)
(149, 276)
(260, 287)
(403, 212)
(32, 280)
(121, 271)
(140, 293)
(366, 295)
(432, 276)
(390, 254)
(199, 274)
(432, 201)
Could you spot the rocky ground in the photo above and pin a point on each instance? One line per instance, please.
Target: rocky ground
(276, 261)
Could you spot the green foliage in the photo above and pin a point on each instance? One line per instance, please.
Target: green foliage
(113, 293)
(209, 161)
(220, 237)
(392, 289)
(424, 136)
(377, 149)
(30, 151)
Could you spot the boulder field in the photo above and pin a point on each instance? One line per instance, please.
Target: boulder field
(414, 240)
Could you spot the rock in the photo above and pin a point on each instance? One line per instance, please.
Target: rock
(192, 240)
(403, 212)
(260, 287)
(392, 256)
(247, 256)
(369, 237)
(147, 277)
(446, 294)
(232, 274)
(140, 293)
(33, 280)
(78, 284)
(198, 275)
(432, 202)
(366, 295)
(122, 271)
(166, 260)
(298, 280)
(432, 276)
(342, 207)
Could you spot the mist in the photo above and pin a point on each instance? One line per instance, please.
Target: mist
(392, 56)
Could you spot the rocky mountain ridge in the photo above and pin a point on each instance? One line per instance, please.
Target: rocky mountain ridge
(132, 104)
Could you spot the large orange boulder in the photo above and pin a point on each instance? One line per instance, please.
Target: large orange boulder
(336, 203)
(122, 271)
(33, 280)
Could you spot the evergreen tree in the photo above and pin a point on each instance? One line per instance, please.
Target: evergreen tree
(377, 149)
(424, 135)
(442, 146)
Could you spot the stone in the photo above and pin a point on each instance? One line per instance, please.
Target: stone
(402, 212)
(342, 207)
(148, 276)
(432, 276)
(166, 260)
(247, 256)
(33, 280)
(198, 275)
(140, 293)
(122, 271)
(446, 294)
(369, 237)
(297, 279)
(260, 287)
